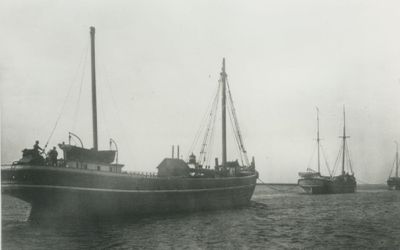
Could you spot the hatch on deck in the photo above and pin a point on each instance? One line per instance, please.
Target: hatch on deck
(173, 167)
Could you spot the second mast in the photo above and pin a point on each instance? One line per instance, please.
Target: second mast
(94, 104)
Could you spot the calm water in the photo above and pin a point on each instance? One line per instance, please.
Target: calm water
(279, 218)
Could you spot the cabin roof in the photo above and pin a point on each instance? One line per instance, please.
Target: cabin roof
(74, 153)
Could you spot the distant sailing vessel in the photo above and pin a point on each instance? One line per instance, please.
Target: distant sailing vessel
(88, 182)
(394, 181)
(314, 183)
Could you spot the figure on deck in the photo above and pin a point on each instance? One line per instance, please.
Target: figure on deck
(53, 157)
(36, 149)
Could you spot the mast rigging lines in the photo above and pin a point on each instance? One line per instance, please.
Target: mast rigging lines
(208, 126)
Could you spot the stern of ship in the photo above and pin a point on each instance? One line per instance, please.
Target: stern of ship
(393, 183)
(314, 185)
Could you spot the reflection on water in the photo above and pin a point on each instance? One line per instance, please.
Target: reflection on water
(277, 218)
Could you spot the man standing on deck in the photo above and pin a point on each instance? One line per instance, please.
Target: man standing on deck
(36, 149)
(53, 157)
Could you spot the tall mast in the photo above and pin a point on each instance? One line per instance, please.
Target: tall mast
(223, 78)
(397, 159)
(318, 139)
(344, 140)
(94, 105)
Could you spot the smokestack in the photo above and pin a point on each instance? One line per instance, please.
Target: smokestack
(177, 156)
(173, 153)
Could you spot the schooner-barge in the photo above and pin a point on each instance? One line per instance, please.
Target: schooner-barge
(90, 182)
(393, 182)
(314, 183)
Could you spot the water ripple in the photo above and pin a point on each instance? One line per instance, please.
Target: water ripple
(369, 219)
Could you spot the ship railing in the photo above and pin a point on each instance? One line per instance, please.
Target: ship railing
(142, 174)
(8, 166)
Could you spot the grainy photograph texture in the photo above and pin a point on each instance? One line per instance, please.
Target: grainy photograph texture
(200, 124)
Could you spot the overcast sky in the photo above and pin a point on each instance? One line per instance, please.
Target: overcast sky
(158, 64)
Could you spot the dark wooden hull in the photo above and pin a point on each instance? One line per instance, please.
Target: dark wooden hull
(393, 183)
(343, 184)
(74, 192)
(314, 185)
(327, 185)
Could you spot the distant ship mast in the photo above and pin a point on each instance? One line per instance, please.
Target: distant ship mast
(94, 105)
(318, 140)
(344, 140)
(223, 78)
(397, 159)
